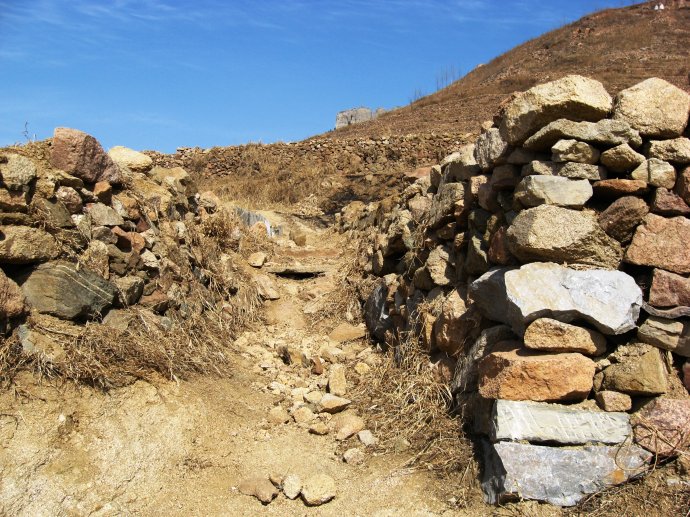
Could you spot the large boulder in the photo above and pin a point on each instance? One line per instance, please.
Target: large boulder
(654, 107)
(556, 234)
(17, 172)
(80, 155)
(553, 190)
(663, 243)
(63, 290)
(26, 245)
(557, 475)
(605, 132)
(572, 97)
(609, 300)
(128, 159)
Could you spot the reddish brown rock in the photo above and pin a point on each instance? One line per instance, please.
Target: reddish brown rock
(82, 156)
(682, 187)
(418, 173)
(686, 375)
(669, 203)
(619, 187)
(12, 301)
(515, 373)
(669, 289)
(103, 191)
(499, 253)
(663, 426)
(663, 243)
(129, 240)
(621, 218)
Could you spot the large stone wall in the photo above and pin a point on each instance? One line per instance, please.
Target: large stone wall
(549, 262)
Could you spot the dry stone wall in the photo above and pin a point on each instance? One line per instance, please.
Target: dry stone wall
(549, 260)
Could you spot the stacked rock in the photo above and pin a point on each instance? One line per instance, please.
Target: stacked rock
(528, 257)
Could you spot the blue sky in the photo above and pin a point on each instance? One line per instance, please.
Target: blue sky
(160, 74)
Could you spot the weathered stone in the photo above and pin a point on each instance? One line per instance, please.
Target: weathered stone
(669, 203)
(152, 193)
(278, 415)
(539, 422)
(70, 198)
(556, 234)
(81, 155)
(12, 301)
(60, 289)
(654, 107)
(130, 289)
(549, 335)
(257, 259)
(572, 170)
(666, 334)
(663, 426)
(354, 456)
(129, 159)
(514, 373)
(347, 332)
(292, 486)
(259, 487)
(573, 97)
(676, 150)
(621, 158)
(663, 243)
(505, 177)
(461, 165)
(26, 245)
(13, 201)
(574, 151)
(553, 190)
(441, 266)
(682, 187)
(499, 251)
(96, 258)
(622, 216)
(656, 172)
(477, 259)
(267, 287)
(318, 489)
(669, 289)
(176, 179)
(367, 438)
(605, 132)
(443, 206)
(347, 424)
(337, 380)
(465, 376)
(557, 475)
(376, 310)
(303, 415)
(619, 187)
(103, 215)
(332, 404)
(639, 370)
(521, 156)
(40, 345)
(455, 324)
(490, 149)
(613, 401)
(686, 375)
(17, 172)
(419, 207)
(435, 176)
(610, 300)
(417, 174)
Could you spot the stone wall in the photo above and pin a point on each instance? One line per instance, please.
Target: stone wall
(549, 262)
(356, 116)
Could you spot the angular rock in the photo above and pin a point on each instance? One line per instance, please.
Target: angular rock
(514, 373)
(318, 489)
(62, 290)
(266, 286)
(666, 334)
(257, 259)
(17, 172)
(669, 290)
(605, 132)
(557, 475)
(505, 177)
(654, 107)
(556, 234)
(81, 155)
(443, 206)
(656, 172)
(549, 335)
(663, 243)
(676, 150)
(128, 159)
(376, 311)
(441, 266)
(14, 201)
(354, 456)
(332, 404)
(278, 415)
(573, 97)
(26, 245)
(609, 300)
(337, 380)
(613, 401)
(367, 438)
(640, 370)
(619, 187)
(499, 252)
(539, 422)
(572, 170)
(490, 149)
(292, 486)
(12, 301)
(621, 158)
(259, 487)
(455, 324)
(663, 426)
(130, 289)
(347, 332)
(70, 198)
(574, 151)
(521, 156)
(622, 217)
(461, 165)
(347, 424)
(682, 187)
(103, 215)
(553, 190)
(669, 203)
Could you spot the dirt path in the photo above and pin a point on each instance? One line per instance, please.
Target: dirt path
(184, 448)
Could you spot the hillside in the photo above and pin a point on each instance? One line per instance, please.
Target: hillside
(618, 47)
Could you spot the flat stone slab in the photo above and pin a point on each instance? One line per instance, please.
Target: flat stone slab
(557, 475)
(535, 422)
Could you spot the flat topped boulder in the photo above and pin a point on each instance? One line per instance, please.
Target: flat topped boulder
(556, 234)
(572, 97)
(80, 155)
(540, 422)
(130, 159)
(654, 107)
(605, 132)
(557, 475)
(609, 300)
